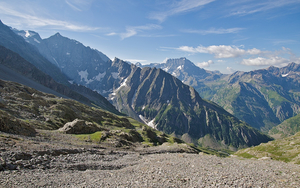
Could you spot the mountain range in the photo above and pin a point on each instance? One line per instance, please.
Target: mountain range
(262, 98)
(150, 95)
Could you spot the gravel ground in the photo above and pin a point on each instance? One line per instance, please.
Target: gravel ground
(101, 168)
(55, 160)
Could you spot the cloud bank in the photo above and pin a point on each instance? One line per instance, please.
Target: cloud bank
(263, 58)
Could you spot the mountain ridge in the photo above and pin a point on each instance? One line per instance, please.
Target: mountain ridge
(262, 98)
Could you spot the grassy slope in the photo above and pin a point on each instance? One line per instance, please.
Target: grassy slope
(287, 128)
(286, 149)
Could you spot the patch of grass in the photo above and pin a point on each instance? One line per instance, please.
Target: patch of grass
(246, 155)
(95, 137)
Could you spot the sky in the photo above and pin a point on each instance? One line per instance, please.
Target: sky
(229, 36)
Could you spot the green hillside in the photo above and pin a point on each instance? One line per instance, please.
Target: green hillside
(285, 149)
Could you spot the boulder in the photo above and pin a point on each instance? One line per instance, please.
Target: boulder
(79, 127)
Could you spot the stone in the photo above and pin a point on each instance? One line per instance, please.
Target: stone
(79, 127)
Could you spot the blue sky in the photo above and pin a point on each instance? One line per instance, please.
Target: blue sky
(214, 34)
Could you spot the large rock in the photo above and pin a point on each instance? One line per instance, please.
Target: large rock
(79, 127)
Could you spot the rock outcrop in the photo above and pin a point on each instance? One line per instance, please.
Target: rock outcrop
(79, 127)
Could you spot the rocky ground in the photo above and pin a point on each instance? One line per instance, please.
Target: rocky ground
(46, 161)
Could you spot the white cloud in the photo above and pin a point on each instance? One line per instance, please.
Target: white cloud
(133, 30)
(205, 64)
(214, 31)
(178, 7)
(250, 7)
(73, 6)
(27, 20)
(263, 58)
(79, 5)
(222, 51)
(260, 61)
(230, 69)
(254, 51)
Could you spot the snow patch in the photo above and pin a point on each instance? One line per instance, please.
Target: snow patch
(71, 81)
(36, 40)
(84, 76)
(180, 67)
(100, 76)
(150, 123)
(143, 119)
(166, 69)
(174, 74)
(115, 75)
(27, 34)
(284, 75)
(56, 61)
(122, 85)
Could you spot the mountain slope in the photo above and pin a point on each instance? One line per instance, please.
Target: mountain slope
(269, 96)
(15, 68)
(285, 149)
(24, 109)
(16, 43)
(262, 98)
(167, 104)
(287, 128)
(82, 65)
(10, 40)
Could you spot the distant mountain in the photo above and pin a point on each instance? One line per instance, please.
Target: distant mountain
(34, 66)
(14, 68)
(262, 98)
(186, 71)
(83, 65)
(287, 128)
(16, 43)
(150, 95)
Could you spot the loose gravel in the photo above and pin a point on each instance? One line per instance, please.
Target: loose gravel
(102, 168)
